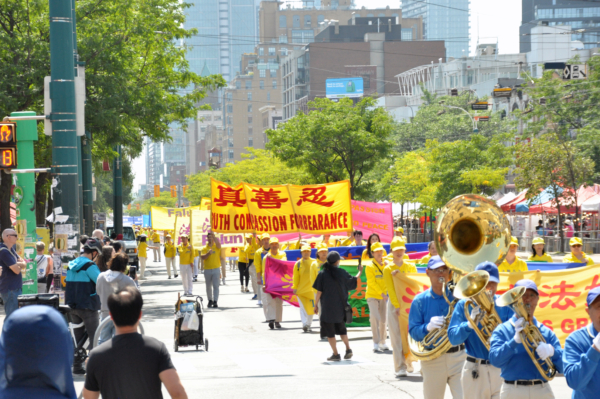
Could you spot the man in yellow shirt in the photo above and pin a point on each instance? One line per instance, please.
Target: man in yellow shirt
(273, 307)
(304, 276)
(577, 255)
(377, 297)
(186, 259)
(398, 265)
(170, 251)
(512, 263)
(211, 255)
(156, 249)
(258, 262)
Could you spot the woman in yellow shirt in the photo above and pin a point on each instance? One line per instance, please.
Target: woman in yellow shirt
(170, 252)
(322, 251)
(398, 265)
(577, 255)
(512, 263)
(304, 276)
(377, 296)
(368, 253)
(538, 253)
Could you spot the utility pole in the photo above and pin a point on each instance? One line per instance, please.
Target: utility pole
(64, 140)
(117, 193)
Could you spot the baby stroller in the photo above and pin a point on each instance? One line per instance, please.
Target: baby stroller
(187, 308)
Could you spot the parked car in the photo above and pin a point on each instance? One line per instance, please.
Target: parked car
(130, 240)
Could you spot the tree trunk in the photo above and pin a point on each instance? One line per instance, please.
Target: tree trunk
(5, 189)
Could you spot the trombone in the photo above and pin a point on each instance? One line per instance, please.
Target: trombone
(531, 336)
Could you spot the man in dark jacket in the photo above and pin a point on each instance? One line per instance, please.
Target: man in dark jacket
(82, 298)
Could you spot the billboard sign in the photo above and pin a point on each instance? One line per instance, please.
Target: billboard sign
(344, 87)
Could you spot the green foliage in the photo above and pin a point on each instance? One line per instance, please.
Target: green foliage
(336, 141)
(257, 167)
(409, 179)
(165, 200)
(104, 186)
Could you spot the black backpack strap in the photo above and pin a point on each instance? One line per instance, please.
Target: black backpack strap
(87, 266)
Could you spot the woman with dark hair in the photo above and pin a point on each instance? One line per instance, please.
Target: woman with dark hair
(367, 253)
(332, 285)
(538, 253)
(104, 257)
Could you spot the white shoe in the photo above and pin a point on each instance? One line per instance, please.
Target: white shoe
(401, 373)
(376, 348)
(259, 303)
(242, 289)
(383, 347)
(224, 282)
(410, 368)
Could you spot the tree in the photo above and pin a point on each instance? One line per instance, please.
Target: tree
(335, 141)
(104, 186)
(259, 167)
(165, 200)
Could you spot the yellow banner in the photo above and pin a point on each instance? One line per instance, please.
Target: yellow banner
(201, 226)
(229, 212)
(205, 204)
(271, 209)
(561, 306)
(182, 226)
(322, 208)
(164, 218)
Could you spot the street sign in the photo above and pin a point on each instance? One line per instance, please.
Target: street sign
(480, 106)
(482, 118)
(8, 145)
(502, 92)
(575, 72)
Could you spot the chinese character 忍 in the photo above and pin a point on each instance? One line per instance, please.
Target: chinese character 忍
(315, 196)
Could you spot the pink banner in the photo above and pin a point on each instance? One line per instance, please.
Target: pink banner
(370, 217)
(278, 280)
(417, 255)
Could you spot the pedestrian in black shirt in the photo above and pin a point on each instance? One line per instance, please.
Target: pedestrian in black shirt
(332, 285)
(130, 365)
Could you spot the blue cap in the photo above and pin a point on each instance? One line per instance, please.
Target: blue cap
(435, 262)
(492, 270)
(592, 295)
(530, 285)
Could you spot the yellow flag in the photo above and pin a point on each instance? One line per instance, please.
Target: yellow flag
(271, 209)
(164, 218)
(229, 212)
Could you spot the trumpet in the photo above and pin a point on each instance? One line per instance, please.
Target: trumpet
(531, 335)
(472, 287)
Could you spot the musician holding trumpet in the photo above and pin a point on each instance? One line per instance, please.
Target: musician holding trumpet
(527, 352)
(480, 380)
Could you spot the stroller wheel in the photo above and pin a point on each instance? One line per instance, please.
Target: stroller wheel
(196, 347)
(206, 345)
(176, 346)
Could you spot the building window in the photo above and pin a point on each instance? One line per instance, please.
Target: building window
(274, 84)
(284, 51)
(262, 85)
(320, 19)
(261, 60)
(230, 154)
(303, 36)
(249, 96)
(296, 21)
(249, 119)
(230, 120)
(203, 129)
(262, 73)
(249, 107)
(261, 51)
(229, 96)
(406, 34)
(272, 51)
(250, 130)
(307, 21)
(229, 108)
(248, 84)
(268, 96)
(273, 73)
(282, 38)
(230, 131)
(282, 21)
(250, 142)
(238, 84)
(230, 141)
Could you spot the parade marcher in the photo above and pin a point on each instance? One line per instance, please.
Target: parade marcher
(347, 241)
(397, 265)
(377, 296)
(332, 285)
(243, 263)
(522, 380)
(581, 356)
(427, 313)
(211, 255)
(512, 263)
(156, 248)
(273, 307)
(399, 232)
(170, 252)
(11, 279)
(432, 252)
(304, 275)
(577, 255)
(538, 253)
(368, 253)
(327, 241)
(186, 254)
(258, 263)
(480, 380)
(250, 249)
(143, 255)
(358, 239)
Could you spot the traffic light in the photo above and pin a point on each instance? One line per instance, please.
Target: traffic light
(454, 92)
(185, 188)
(173, 191)
(128, 207)
(156, 190)
(8, 145)
(137, 206)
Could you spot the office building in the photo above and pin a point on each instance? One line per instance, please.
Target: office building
(583, 17)
(446, 20)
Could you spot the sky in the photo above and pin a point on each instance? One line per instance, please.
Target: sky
(491, 21)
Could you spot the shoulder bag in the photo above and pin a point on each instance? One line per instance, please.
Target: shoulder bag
(347, 308)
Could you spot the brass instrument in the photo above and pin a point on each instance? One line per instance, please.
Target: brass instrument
(530, 336)
(472, 287)
(470, 229)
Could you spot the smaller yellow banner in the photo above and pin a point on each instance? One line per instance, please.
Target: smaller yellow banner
(229, 212)
(164, 218)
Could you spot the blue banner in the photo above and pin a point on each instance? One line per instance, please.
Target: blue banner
(356, 252)
(138, 220)
(145, 220)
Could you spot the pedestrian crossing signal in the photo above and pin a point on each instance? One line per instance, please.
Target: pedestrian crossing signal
(8, 145)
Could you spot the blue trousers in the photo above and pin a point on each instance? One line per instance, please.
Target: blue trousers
(10, 301)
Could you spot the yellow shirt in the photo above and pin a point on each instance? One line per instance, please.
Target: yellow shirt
(280, 255)
(518, 265)
(570, 258)
(305, 274)
(346, 242)
(543, 258)
(155, 238)
(142, 250)
(186, 254)
(389, 279)
(295, 245)
(243, 256)
(365, 255)
(258, 260)
(424, 259)
(169, 249)
(390, 257)
(214, 260)
(375, 283)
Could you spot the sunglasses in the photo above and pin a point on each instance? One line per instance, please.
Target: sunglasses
(12, 235)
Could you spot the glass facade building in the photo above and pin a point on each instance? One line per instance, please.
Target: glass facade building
(446, 20)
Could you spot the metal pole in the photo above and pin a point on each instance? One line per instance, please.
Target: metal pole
(117, 193)
(86, 168)
(64, 140)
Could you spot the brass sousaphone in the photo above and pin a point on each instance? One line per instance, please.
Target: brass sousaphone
(470, 229)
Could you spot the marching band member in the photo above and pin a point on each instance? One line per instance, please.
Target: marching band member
(258, 263)
(432, 252)
(522, 380)
(368, 252)
(397, 265)
(577, 255)
(479, 378)
(377, 296)
(427, 313)
(512, 263)
(273, 307)
(582, 353)
(538, 253)
(304, 276)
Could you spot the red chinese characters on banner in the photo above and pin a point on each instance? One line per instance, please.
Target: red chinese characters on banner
(594, 283)
(268, 199)
(314, 195)
(361, 290)
(228, 195)
(562, 294)
(412, 294)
